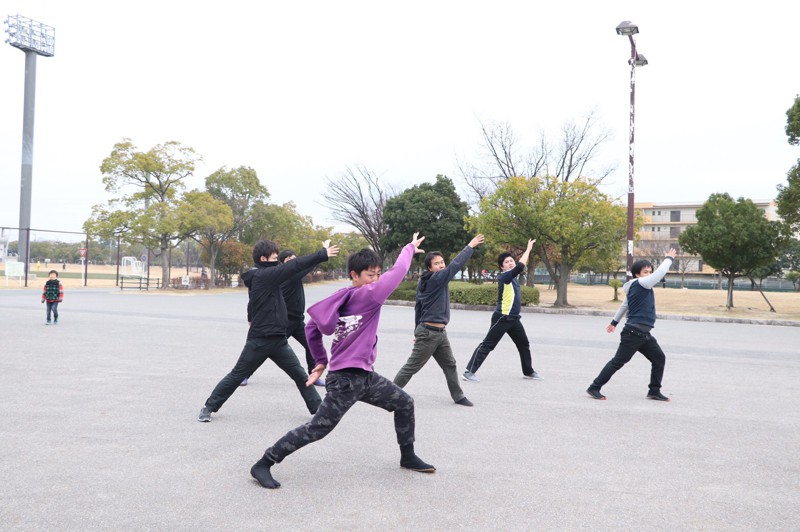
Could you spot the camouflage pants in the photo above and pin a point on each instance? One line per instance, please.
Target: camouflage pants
(344, 388)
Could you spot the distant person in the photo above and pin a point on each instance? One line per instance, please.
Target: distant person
(266, 313)
(640, 305)
(351, 316)
(506, 318)
(64, 266)
(431, 316)
(53, 294)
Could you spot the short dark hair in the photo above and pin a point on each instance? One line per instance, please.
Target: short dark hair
(53, 271)
(501, 258)
(285, 254)
(264, 248)
(430, 256)
(639, 265)
(363, 260)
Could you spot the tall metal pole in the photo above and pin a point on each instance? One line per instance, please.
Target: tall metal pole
(630, 158)
(26, 179)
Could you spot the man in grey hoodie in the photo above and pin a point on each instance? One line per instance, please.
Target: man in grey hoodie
(640, 305)
(431, 316)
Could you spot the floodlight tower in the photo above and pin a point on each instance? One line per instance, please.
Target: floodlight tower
(629, 29)
(33, 38)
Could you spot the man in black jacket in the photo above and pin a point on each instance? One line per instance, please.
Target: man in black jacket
(266, 312)
(431, 316)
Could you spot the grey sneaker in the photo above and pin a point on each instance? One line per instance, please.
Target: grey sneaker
(533, 376)
(465, 402)
(205, 415)
(469, 376)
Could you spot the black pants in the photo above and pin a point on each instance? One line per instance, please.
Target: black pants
(297, 330)
(344, 389)
(256, 351)
(632, 340)
(502, 325)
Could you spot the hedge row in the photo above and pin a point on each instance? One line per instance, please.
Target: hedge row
(467, 293)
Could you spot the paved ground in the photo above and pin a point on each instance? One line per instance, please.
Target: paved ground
(99, 431)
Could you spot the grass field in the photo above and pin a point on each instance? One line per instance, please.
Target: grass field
(679, 301)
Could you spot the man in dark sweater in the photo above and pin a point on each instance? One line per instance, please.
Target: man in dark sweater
(266, 312)
(431, 316)
(640, 305)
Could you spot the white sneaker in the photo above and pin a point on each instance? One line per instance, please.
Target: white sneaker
(469, 376)
(533, 376)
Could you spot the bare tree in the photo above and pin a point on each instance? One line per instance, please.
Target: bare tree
(501, 157)
(357, 198)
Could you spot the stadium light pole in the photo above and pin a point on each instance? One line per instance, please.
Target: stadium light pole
(630, 29)
(33, 38)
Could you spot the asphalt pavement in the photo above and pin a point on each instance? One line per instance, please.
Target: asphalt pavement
(99, 427)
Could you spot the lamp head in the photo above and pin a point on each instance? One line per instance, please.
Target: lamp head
(626, 27)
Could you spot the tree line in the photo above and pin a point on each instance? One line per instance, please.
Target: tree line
(550, 191)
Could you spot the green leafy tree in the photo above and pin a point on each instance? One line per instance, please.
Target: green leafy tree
(733, 237)
(242, 191)
(148, 185)
(788, 199)
(570, 220)
(433, 209)
(793, 122)
(208, 221)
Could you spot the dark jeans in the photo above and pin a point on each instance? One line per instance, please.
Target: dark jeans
(344, 389)
(297, 330)
(52, 306)
(632, 340)
(256, 351)
(502, 325)
(431, 342)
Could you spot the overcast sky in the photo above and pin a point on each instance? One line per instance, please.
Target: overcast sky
(299, 91)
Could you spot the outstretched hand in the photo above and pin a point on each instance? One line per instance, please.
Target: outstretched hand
(530, 244)
(476, 241)
(416, 240)
(672, 252)
(332, 250)
(315, 375)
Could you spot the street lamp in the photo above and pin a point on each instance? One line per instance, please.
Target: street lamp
(33, 38)
(630, 29)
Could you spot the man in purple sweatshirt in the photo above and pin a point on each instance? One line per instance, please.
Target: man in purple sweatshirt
(351, 315)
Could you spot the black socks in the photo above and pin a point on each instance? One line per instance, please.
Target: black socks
(260, 472)
(409, 460)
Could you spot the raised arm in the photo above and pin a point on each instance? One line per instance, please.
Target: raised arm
(654, 278)
(525, 256)
(380, 290)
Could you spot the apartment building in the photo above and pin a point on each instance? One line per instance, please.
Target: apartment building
(662, 224)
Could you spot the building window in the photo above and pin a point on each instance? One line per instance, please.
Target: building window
(674, 232)
(674, 216)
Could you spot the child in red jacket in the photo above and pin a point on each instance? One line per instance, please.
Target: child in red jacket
(54, 294)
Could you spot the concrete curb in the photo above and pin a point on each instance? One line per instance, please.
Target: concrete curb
(599, 312)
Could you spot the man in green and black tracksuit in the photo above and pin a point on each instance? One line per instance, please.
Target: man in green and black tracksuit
(506, 318)
(431, 316)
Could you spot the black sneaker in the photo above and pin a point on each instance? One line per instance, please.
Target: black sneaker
(464, 402)
(595, 394)
(657, 396)
(205, 415)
